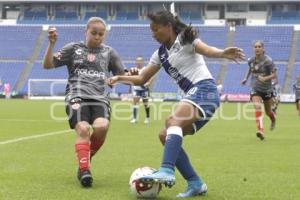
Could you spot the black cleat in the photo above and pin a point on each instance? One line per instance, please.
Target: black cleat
(260, 135)
(85, 178)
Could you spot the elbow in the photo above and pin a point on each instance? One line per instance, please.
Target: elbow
(47, 65)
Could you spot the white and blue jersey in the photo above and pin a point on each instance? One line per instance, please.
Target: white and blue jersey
(190, 72)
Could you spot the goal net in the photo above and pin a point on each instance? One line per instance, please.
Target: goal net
(46, 88)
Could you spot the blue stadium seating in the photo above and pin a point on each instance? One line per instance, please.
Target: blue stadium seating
(287, 17)
(277, 40)
(10, 72)
(102, 14)
(17, 42)
(131, 41)
(295, 73)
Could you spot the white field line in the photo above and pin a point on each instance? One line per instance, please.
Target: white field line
(34, 137)
(27, 120)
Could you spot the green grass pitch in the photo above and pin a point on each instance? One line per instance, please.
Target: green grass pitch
(226, 153)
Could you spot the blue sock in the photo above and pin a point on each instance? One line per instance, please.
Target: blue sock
(186, 169)
(172, 147)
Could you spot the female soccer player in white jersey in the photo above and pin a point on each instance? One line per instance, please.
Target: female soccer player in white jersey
(180, 54)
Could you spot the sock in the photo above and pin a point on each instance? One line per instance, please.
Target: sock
(186, 169)
(135, 111)
(258, 119)
(271, 116)
(83, 155)
(147, 110)
(95, 144)
(172, 147)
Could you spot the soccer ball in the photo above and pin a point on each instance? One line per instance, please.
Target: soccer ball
(141, 190)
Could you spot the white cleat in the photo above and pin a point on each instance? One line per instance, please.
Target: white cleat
(147, 121)
(192, 191)
(133, 121)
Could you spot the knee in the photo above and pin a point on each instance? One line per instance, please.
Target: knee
(171, 121)
(162, 136)
(83, 129)
(257, 107)
(100, 130)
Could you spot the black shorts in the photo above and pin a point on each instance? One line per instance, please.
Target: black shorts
(88, 110)
(297, 100)
(264, 95)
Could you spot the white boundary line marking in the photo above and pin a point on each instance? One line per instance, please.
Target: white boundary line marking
(34, 137)
(28, 120)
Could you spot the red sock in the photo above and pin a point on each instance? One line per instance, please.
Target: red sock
(272, 116)
(258, 119)
(95, 144)
(83, 155)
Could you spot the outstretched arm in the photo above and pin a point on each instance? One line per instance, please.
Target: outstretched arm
(140, 79)
(232, 53)
(48, 57)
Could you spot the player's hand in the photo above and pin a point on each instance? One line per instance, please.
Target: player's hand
(52, 35)
(112, 81)
(244, 81)
(133, 71)
(234, 53)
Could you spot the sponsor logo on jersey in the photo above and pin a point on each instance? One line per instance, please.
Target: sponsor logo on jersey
(58, 55)
(162, 56)
(75, 106)
(175, 74)
(91, 57)
(102, 63)
(90, 73)
(79, 51)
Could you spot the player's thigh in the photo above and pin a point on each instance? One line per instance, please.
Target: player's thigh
(257, 101)
(268, 105)
(100, 127)
(136, 100)
(183, 115)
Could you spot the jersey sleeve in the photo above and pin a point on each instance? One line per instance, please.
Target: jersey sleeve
(63, 56)
(115, 64)
(154, 60)
(271, 66)
(249, 61)
(194, 43)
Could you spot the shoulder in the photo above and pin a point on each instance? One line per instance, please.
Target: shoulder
(106, 48)
(251, 60)
(268, 59)
(71, 45)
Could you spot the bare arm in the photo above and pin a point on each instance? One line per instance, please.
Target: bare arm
(244, 81)
(140, 79)
(149, 82)
(233, 53)
(48, 57)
